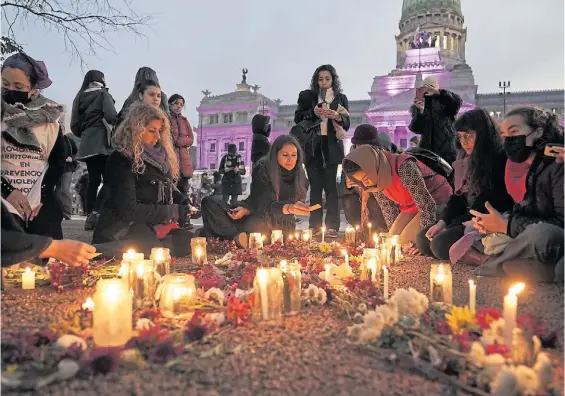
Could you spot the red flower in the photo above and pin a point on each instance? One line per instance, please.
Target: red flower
(496, 348)
(237, 311)
(463, 340)
(486, 316)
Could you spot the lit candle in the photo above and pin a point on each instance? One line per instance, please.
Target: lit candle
(323, 234)
(292, 292)
(88, 305)
(356, 233)
(344, 252)
(510, 309)
(441, 284)
(28, 279)
(297, 235)
(328, 272)
(143, 283)
(472, 295)
(375, 240)
(369, 225)
(255, 240)
(162, 259)
(276, 237)
(283, 264)
(262, 278)
(385, 281)
(368, 254)
(112, 319)
(129, 255)
(176, 297)
(307, 235)
(372, 266)
(198, 248)
(350, 236)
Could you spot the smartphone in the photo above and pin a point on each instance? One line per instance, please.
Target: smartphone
(315, 207)
(320, 105)
(554, 150)
(420, 94)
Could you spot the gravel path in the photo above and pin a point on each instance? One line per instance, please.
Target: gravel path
(306, 355)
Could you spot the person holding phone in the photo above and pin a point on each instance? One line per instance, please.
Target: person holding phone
(278, 189)
(433, 113)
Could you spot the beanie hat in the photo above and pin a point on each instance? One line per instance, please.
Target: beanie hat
(366, 134)
(385, 140)
(431, 81)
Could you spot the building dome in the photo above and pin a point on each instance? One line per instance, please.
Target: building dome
(414, 7)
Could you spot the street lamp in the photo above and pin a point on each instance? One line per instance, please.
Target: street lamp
(504, 85)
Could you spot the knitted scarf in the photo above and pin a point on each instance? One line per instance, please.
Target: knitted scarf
(37, 112)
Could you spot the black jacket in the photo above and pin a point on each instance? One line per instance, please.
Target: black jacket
(134, 199)
(457, 210)
(435, 124)
(318, 153)
(543, 201)
(261, 131)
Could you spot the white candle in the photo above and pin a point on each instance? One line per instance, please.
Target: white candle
(472, 295)
(510, 309)
(369, 225)
(385, 287)
(323, 234)
(276, 237)
(328, 272)
(263, 277)
(375, 240)
(372, 266)
(112, 319)
(344, 252)
(28, 279)
(88, 305)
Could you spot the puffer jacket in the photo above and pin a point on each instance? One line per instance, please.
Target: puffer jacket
(183, 138)
(261, 131)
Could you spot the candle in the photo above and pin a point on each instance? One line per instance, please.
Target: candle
(268, 287)
(112, 318)
(297, 235)
(369, 225)
(375, 240)
(441, 284)
(263, 277)
(198, 248)
(472, 295)
(510, 309)
(323, 234)
(368, 254)
(129, 255)
(88, 305)
(328, 272)
(143, 284)
(28, 279)
(356, 233)
(307, 235)
(292, 293)
(344, 252)
(385, 281)
(276, 237)
(255, 240)
(372, 266)
(162, 259)
(394, 249)
(350, 236)
(177, 294)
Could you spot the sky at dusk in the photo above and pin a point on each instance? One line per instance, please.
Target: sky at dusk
(204, 45)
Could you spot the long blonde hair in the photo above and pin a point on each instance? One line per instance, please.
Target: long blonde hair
(127, 138)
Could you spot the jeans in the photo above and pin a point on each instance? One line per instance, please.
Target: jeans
(352, 210)
(96, 166)
(439, 246)
(323, 179)
(217, 223)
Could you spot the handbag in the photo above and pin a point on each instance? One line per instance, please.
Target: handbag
(305, 132)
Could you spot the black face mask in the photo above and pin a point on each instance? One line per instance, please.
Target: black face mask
(12, 97)
(516, 149)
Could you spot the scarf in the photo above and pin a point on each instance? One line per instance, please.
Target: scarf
(515, 178)
(94, 86)
(157, 157)
(37, 112)
(287, 178)
(375, 163)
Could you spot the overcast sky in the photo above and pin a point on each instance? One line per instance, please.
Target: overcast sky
(197, 45)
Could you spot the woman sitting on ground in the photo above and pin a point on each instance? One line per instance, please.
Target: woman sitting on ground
(278, 188)
(143, 205)
(479, 178)
(407, 191)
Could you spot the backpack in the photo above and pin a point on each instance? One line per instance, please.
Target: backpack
(431, 160)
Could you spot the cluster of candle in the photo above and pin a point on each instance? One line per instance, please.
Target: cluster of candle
(198, 249)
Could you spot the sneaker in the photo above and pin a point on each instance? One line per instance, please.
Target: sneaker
(331, 233)
(91, 221)
(241, 240)
(316, 232)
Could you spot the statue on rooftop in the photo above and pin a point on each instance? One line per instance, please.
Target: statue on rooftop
(244, 76)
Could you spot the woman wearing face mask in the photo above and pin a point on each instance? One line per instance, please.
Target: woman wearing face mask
(91, 119)
(278, 188)
(325, 108)
(143, 207)
(479, 178)
(182, 139)
(33, 147)
(535, 226)
(399, 181)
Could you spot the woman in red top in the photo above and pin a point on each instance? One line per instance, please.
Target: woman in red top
(182, 135)
(408, 192)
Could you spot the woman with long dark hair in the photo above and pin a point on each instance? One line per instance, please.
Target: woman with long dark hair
(278, 188)
(92, 116)
(183, 137)
(323, 113)
(144, 74)
(478, 178)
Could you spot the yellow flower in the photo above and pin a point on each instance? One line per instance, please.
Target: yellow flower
(11, 369)
(460, 319)
(325, 247)
(355, 259)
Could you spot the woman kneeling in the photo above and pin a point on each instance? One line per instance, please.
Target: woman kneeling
(278, 187)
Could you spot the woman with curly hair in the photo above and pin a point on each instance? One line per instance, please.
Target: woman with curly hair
(323, 116)
(143, 208)
(479, 178)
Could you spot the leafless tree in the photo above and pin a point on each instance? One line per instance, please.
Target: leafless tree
(84, 24)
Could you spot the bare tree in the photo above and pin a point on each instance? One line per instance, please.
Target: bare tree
(84, 24)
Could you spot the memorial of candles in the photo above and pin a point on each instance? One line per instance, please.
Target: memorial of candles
(28, 279)
(509, 313)
(277, 237)
(255, 241)
(307, 235)
(441, 284)
(268, 291)
(178, 294)
(198, 249)
(143, 284)
(112, 317)
(292, 287)
(162, 259)
(350, 236)
(472, 296)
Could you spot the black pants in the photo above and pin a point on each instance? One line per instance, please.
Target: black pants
(323, 179)
(217, 223)
(95, 166)
(183, 184)
(439, 246)
(352, 210)
(226, 198)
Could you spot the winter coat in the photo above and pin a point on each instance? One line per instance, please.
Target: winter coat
(543, 201)
(324, 150)
(183, 137)
(435, 124)
(261, 131)
(134, 199)
(232, 167)
(90, 108)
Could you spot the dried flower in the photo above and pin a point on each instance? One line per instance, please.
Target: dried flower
(485, 316)
(104, 360)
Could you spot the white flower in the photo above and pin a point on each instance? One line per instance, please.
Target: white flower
(344, 271)
(362, 308)
(67, 340)
(370, 334)
(374, 319)
(477, 354)
(410, 301)
(217, 293)
(239, 293)
(505, 383)
(544, 371)
(322, 296)
(144, 324)
(216, 317)
(312, 292)
(527, 380)
(224, 260)
(390, 316)
(492, 364)
(495, 334)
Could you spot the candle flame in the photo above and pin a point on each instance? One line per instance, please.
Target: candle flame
(262, 276)
(130, 254)
(140, 270)
(356, 228)
(471, 282)
(516, 289)
(199, 252)
(441, 274)
(327, 266)
(323, 229)
(394, 240)
(160, 255)
(88, 305)
(385, 269)
(178, 292)
(344, 252)
(124, 269)
(369, 225)
(290, 237)
(28, 270)
(284, 263)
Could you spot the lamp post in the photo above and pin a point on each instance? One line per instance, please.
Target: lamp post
(504, 85)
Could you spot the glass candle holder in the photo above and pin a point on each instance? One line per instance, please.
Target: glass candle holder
(112, 318)
(441, 283)
(199, 254)
(178, 294)
(277, 237)
(350, 238)
(268, 291)
(162, 259)
(255, 241)
(292, 287)
(307, 235)
(371, 265)
(143, 284)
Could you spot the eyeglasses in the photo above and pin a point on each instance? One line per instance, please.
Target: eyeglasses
(467, 137)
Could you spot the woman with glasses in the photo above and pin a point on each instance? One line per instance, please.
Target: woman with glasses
(479, 178)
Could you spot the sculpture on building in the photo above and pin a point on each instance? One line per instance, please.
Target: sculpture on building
(244, 76)
(255, 88)
(206, 93)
